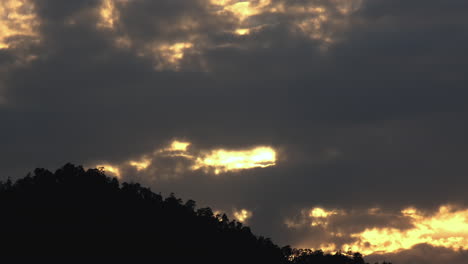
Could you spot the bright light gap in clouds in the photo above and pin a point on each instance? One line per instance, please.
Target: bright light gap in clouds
(215, 161)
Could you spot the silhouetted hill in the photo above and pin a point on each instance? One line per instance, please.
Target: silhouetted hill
(85, 213)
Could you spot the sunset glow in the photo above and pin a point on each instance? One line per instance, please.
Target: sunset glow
(222, 160)
(447, 228)
(216, 161)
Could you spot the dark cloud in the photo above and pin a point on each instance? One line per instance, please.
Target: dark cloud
(374, 116)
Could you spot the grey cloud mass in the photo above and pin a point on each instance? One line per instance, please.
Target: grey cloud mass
(366, 106)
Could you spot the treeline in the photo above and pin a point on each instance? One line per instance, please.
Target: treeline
(85, 213)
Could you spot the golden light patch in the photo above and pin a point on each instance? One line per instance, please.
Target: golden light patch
(242, 31)
(242, 215)
(217, 212)
(114, 171)
(320, 212)
(216, 161)
(221, 160)
(242, 10)
(447, 228)
(179, 146)
(177, 149)
(109, 17)
(109, 14)
(171, 54)
(17, 19)
(140, 165)
(174, 53)
(320, 216)
(246, 9)
(312, 19)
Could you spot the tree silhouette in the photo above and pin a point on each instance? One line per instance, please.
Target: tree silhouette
(77, 212)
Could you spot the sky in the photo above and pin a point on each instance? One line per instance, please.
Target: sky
(337, 124)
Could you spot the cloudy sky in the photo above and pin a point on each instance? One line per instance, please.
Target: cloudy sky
(335, 124)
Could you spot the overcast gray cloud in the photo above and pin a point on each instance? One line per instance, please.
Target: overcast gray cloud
(364, 102)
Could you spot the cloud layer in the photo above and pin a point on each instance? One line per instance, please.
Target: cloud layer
(374, 231)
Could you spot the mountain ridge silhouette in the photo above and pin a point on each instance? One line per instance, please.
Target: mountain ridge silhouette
(78, 212)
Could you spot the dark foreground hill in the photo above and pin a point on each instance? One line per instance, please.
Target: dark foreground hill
(77, 212)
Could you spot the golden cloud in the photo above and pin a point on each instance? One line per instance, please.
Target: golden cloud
(447, 228)
(320, 216)
(241, 9)
(321, 213)
(172, 54)
(314, 20)
(178, 146)
(221, 160)
(17, 19)
(308, 17)
(109, 14)
(215, 161)
(167, 54)
(140, 165)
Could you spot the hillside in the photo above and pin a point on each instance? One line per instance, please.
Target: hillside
(83, 212)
